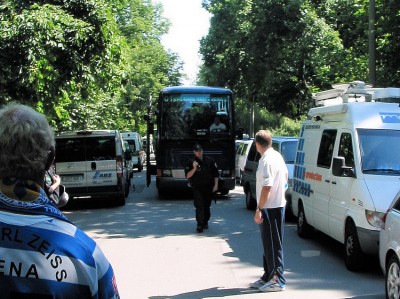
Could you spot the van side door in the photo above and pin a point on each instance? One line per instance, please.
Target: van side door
(340, 187)
(322, 178)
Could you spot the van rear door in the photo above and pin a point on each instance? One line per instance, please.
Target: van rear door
(71, 164)
(101, 163)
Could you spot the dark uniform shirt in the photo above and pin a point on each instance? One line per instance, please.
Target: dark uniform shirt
(206, 172)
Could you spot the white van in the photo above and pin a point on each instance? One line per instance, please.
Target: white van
(93, 164)
(241, 156)
(138, 155)
(347, 168)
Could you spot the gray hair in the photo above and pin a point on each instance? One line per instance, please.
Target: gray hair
(25, 141)
(264, 138)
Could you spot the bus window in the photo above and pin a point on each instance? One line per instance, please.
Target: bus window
(191, 115)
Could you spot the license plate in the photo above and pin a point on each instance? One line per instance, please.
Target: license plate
(178, 174)
(72, 178)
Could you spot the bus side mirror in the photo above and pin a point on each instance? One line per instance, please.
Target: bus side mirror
(150, 128)
(239, 133)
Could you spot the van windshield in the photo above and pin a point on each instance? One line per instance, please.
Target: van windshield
(380, 151)
(289, 151)
(85, 149)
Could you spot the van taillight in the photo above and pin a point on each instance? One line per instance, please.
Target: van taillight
(119, 166)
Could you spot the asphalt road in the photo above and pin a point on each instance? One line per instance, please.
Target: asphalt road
(156, 252)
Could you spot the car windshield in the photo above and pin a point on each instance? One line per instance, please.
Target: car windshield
(289, 151)
(380, 151)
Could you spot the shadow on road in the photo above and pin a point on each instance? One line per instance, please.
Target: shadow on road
(312, 264)
(207, 293)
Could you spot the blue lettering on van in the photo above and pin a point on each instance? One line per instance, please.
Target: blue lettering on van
(100, 175)
(302, 187)
(390, 117)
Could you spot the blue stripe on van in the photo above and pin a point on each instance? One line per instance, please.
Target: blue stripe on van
(390, 117)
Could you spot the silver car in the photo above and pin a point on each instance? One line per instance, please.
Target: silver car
(389, 249)
(284, 145)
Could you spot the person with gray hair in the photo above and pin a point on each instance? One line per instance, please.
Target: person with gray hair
(43, 255)
(271, 184)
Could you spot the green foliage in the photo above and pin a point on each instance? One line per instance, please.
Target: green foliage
(277, 52)
(278, 124)
(86, 64)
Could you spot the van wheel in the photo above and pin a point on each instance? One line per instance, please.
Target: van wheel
(304, 230)
(121, 200)
(352, 248)
(127, 188)
(251, 203)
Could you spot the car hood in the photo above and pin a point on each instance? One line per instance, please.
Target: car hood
(383, 190)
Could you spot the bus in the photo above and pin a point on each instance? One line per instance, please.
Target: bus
(185, 115)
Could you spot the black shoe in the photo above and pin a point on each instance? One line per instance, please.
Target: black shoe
(205, 226)
(199, 229)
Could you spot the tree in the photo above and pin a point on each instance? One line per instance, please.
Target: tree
(78, 61)
(278, 52)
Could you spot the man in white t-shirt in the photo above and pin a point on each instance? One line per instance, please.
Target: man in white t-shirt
(271, 184)
(217, 125)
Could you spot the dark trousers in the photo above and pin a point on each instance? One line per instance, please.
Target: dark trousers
(202, 202)
(272, 236)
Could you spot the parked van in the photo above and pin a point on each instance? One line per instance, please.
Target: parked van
(347, 168)
(138, 155)
(93, 164)
(286, 146)
(241, 156)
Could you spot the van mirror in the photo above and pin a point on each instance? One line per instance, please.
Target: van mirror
(339, 168)
(128, 155)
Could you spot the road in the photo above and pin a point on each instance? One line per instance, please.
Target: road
(156, 252)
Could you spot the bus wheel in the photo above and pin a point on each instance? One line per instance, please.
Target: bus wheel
(352, 248)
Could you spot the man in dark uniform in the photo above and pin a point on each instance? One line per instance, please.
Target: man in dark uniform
(203, 175)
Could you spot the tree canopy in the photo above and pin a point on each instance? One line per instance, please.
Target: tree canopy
(277, 52)
(85, 64)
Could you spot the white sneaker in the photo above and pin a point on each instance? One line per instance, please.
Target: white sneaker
(271, 286)
(257, 284)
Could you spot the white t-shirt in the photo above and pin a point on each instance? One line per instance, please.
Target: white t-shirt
(272, 171)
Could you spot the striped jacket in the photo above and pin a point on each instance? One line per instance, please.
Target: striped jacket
(43, 255)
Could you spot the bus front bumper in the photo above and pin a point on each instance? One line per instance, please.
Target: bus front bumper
(170, 183)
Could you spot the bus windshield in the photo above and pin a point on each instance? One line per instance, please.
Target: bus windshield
(188, 116)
